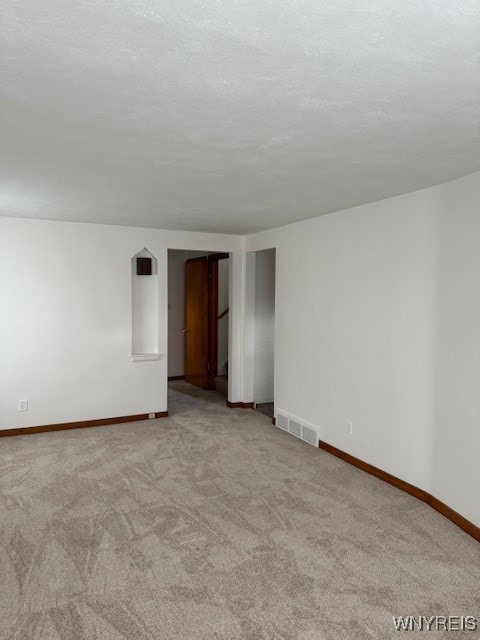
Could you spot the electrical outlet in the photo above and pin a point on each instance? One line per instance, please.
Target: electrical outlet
(349, 427)
(23, 405)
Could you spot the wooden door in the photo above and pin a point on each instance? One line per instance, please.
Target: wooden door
(197, 322)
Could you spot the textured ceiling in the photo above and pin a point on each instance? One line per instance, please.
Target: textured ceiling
(233, 115)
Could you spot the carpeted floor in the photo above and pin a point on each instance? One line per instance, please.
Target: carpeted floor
(214, 524)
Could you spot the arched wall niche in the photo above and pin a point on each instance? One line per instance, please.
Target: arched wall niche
(144, 306)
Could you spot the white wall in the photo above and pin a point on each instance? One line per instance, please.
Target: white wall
(144, 307)
(456, 363)
(378, 322)
(264, 326)
(66, 320)
(176, 312)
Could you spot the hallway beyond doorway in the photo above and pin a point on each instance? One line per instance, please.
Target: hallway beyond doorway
(267, 408)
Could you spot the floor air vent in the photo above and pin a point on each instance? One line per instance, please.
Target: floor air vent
(298, 428)
(310, 435)
(282, 421)
(295, 428)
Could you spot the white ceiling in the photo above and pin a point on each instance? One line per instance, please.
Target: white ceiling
(233, 115)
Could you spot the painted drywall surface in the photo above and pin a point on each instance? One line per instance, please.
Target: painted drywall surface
(223, 298)
(66, 321)
(176, 312)
(347, 328)
(249, 322)
(377, 321)
(144, 307)
(456, 365)
(264, 326)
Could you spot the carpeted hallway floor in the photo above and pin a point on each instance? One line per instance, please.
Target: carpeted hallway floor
(215, 524)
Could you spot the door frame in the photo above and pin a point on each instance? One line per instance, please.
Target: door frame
(250, 323)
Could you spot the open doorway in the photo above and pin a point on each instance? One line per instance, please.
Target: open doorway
(198, 310)
(262, 275)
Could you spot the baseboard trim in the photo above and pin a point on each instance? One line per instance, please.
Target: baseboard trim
(239, 405)
(62, 426)
(433, 502)
(455, 517)
(171, 378)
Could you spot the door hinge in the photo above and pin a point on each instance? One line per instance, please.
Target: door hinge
(208, 366)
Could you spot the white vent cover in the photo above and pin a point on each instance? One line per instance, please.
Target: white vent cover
(282, 421)
(295, 428)
(310, 435)
(299, 428)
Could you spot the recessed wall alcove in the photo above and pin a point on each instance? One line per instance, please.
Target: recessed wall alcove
(144, 306)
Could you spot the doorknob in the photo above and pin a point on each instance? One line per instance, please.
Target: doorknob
(184, 330)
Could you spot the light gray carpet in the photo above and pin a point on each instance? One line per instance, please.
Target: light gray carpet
(214, 524)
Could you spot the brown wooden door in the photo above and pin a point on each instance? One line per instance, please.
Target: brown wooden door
(197, 322)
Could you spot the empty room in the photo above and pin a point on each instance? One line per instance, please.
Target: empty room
(239, 320)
